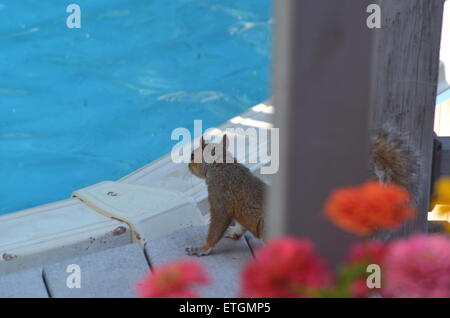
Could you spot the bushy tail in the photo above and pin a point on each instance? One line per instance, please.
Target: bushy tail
(394, 161)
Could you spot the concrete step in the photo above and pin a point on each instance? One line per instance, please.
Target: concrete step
(224, 264)
(108, 274)
(24, 284)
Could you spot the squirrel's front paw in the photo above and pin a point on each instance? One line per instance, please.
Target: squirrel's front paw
(197, 251)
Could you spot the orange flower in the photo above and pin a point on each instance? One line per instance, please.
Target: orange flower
(369, 207)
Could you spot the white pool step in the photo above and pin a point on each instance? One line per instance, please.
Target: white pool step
(149, 212)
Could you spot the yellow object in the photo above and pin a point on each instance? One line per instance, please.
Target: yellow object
(440, 213)
(442, 192)
(441, 201)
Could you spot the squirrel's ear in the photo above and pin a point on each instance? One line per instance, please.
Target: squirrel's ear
(225, 141)
(202, 142)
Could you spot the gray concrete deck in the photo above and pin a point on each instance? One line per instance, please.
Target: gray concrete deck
(113, 273)
(223, 264)
(24, 284)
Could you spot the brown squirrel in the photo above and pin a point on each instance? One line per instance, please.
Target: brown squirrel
(236, 195)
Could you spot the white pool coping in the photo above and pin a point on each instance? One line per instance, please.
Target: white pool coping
(69, 228)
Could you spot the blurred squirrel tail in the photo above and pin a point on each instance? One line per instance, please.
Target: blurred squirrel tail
(394, 161)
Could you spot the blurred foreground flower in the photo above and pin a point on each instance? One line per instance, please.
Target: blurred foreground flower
(418, 267)
(372, 206)
(354, 274)
(285, 267)
(372, 252)
(173, 280)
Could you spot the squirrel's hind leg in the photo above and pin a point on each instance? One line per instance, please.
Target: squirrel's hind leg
(235, 232)
(217, 227)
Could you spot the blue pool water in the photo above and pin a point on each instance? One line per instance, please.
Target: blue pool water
(79, 106)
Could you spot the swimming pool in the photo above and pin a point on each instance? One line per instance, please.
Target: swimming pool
(79, 106)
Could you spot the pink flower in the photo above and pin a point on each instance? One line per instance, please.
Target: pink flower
(359, 289)
(173, 280)
(371, 252)
(285, 267)
(360, 256)
(418, 267)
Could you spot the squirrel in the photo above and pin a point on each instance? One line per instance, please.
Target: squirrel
(236, 195)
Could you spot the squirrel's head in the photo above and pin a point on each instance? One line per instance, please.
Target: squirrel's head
(213, 153)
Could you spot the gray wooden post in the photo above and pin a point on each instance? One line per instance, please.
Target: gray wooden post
(321, 92)
(444, 166)
(406, 74)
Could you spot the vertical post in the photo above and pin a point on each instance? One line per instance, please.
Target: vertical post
(321, 92)
(405, 84)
